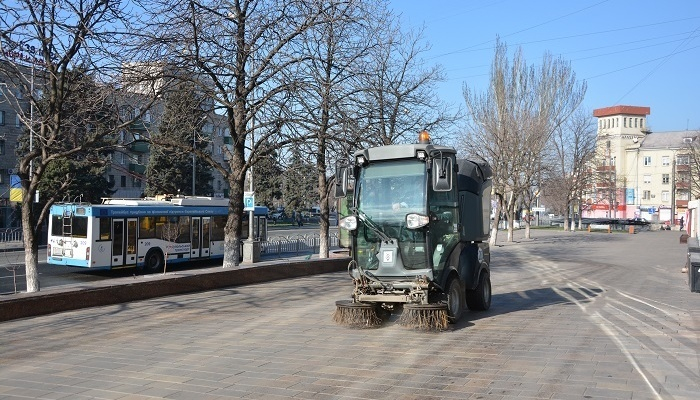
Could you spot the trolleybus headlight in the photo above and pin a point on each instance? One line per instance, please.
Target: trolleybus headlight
(348, 223)
(414, 221)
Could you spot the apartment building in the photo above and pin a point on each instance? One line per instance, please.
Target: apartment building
(128, 164)
(15, 110)
(639, 173)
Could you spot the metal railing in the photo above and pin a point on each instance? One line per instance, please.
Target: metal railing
(10, 235)
(295, 245)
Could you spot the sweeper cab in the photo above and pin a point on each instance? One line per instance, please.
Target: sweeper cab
(419, 224)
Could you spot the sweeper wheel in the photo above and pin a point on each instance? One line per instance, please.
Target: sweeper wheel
(357, 315)
(429, 317)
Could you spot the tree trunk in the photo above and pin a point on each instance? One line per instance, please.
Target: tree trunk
(527, 226)
(232, 232)
(31, 247)
(496, 221)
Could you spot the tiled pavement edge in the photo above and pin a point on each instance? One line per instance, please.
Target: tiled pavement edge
(121, 290)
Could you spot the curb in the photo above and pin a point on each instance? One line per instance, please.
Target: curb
(122, 290)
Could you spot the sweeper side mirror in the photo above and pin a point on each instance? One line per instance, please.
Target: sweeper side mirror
(442, 174)
(342, 181)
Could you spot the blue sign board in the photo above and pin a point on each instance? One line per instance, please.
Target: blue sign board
(248, 201)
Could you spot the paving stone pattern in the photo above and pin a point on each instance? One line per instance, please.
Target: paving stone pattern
(575, 315)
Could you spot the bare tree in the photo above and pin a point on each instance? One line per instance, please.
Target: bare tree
(239, 53)
(56, 38)
(574, 146)
(398, 97)
(171, 231)
(336, 48)
(510, 125)
(693, 149)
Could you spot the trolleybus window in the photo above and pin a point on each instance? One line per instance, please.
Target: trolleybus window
(69, 226)
(147, 227)
(105, 229)
(218, 223)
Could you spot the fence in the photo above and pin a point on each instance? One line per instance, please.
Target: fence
(10, 235)
(295, 245)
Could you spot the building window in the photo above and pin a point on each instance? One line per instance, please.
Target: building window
(647, 161)
(665, 161)
(123, 181)
(647, 178)
(2, 147)
(3, 172)
(2, 117)
(17, 121)
(135, 182)
(646, 195)
(665, 195)
(624, 122)
(641, 122)
(665, 179)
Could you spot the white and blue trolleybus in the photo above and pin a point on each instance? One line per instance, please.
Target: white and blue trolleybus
(141, 233)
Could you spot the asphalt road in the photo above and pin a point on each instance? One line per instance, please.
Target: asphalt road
(574, 316)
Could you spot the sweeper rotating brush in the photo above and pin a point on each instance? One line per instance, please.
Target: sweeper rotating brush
(427, 317)
(357, 315)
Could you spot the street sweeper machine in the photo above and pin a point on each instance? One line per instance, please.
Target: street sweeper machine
(419, 221)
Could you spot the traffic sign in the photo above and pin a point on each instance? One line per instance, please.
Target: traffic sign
(538, 209)
(248, 201)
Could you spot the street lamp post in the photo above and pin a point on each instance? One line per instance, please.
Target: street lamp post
(194, 157)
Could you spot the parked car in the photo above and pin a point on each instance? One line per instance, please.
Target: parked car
(277, 216)
(637, 221)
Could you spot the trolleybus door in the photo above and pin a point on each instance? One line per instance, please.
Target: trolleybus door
(206, 239)
(196, 237)
(131, 226)
(117, 242)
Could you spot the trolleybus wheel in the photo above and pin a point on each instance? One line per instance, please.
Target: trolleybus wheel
(154, 261)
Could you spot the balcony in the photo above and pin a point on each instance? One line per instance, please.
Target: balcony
(140, 125)
(139, 147)
(606, 168)
(681, 203)
(137, 168)
(682, 185)
(682, 168)
(228, 140)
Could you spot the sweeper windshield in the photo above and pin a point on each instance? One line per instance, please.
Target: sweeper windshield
(386, 192)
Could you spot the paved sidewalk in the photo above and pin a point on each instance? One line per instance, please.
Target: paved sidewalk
(575, 315)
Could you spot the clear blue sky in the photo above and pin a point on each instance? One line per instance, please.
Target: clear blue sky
(631, 52)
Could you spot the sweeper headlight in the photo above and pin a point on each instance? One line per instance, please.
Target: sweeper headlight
(348, 223)
(415, 221)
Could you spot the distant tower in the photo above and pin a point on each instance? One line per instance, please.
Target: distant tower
(620, 129)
